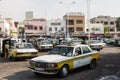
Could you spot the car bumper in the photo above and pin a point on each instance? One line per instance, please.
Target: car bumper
(44, 70)
(26, 57)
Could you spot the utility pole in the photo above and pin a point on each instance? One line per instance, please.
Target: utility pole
(67, 16)
(88, 18)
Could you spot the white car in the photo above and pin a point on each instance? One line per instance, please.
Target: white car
(95, 44)
(43, 45)
(63, 58)
(22, 51)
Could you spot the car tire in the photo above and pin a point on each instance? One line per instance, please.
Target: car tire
(64, 71)
(93, 64)
(12, 58)
(98, 50)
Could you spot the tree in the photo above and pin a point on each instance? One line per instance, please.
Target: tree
(106, 30)
(21, 30)
(118, 24)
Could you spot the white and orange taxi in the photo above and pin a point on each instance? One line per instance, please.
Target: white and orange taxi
(63, 58)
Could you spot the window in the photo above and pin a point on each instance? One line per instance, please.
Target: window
(111, 29)
(62, 29)
(87, 30)
(98, 22)
(85, 49)
(35, 28)
(71, 29)
(29, 27)
(50, 29)
(70, 22)
(55, 23)
(79, 21)
(55, 29)
(101, 21)
(105, 23)
(78, 51)
(40, 28)
(112, 23)
(79, 29)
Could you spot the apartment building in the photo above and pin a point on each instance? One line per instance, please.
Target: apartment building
(13, 29)
(75, 23)
(55, 27)
(36, 27)
(4, 28)
(106, 21)
(109, 22)
(95, 30)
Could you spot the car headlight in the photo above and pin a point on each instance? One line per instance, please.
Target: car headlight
(52, 65)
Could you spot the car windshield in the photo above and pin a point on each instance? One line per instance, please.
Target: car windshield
(24, 46)
(62, 50)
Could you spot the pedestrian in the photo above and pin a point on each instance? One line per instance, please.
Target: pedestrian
(6, 50)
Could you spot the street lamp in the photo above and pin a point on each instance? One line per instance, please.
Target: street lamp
(67, 15)
(88, 18)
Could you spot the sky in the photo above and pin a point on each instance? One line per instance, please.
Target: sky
(52, 9)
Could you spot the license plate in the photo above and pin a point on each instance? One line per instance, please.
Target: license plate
(47, 47)
(39, 69)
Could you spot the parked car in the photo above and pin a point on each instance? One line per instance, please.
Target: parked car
(55, 42)
(22, 51)
(95, 44)
(43, 45)
(76, 42)
(63, 58)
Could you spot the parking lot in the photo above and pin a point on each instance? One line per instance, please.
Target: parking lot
(108, 69)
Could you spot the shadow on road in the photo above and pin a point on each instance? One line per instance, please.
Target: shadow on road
(28, 75)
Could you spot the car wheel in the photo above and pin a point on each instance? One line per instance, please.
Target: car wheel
(93, 64)
(64, 71)
(98, 50)
(13, 58)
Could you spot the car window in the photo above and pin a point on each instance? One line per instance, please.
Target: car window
(23, 46)
(85, 49)
(28, 46)
(78, 51)
(61, 50)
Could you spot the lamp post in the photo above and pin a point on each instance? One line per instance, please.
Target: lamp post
(67, 15)
(88, 18)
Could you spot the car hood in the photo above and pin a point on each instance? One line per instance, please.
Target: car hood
(26, 50)
(47, 45)
(50, 58)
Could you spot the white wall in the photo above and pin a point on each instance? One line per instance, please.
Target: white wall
(95, 28)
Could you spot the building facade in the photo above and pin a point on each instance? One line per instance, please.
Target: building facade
(109, 22)
(75, 23)
(4, 27)
(55, 27)
(96, 30)
(13, 29)
(36, 27)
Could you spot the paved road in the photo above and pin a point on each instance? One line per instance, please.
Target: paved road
(107, 69)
